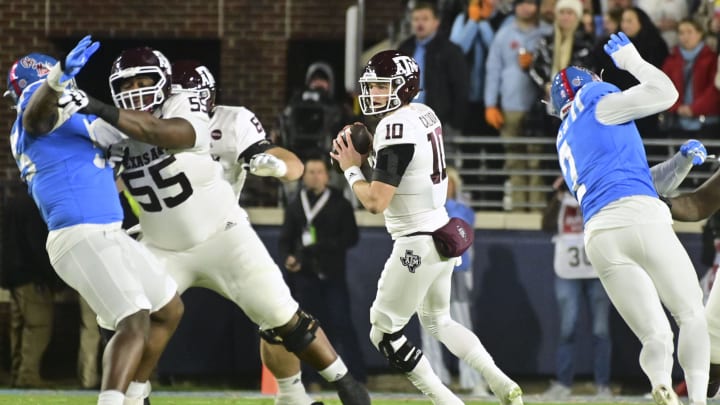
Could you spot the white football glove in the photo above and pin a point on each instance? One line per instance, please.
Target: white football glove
(72, 101)
(265, 164)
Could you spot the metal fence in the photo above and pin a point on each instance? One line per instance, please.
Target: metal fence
(480, 162)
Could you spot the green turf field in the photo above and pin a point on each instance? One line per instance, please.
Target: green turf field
(49, 399)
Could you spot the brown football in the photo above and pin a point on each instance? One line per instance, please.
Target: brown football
(361, 138)
(360, 135)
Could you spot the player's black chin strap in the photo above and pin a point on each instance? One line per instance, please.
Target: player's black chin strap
(298, 337)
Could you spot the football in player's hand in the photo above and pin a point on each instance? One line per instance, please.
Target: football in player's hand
(360, 135)
(361, 138)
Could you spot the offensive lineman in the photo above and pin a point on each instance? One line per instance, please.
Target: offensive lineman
(190, 216)
(628, 233)
(239, 144)
(409, 186)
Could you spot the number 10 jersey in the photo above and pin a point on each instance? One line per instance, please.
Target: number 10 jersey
(419, 201)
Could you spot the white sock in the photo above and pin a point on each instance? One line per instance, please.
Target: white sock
(424, 378)
(111, 397)
(138, 390)
(335, 371)
(291, 390)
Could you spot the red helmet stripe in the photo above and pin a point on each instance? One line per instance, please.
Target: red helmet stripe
(566, 84)
(14, 79)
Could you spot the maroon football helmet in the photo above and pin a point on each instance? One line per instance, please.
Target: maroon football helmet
(398, 70)
(192, 76)
(141, 62)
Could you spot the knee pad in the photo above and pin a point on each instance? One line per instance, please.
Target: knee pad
(298, 337)
(405, 357)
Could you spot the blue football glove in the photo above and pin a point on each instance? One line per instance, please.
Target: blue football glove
(621, 50)
(78, 57)
(695, 149)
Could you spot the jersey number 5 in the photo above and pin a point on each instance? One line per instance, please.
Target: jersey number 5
(161, 182)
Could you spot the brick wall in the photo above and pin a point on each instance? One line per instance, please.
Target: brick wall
(254, 37)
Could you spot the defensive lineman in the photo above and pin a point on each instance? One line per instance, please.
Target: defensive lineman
(628, 233)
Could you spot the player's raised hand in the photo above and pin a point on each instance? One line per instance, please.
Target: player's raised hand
(265, 164)
(621, 50)
(78, 57)
(694, 149)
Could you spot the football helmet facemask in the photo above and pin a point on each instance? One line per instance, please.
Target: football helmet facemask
(140, 62)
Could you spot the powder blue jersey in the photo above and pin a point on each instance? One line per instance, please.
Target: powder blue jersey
(66, 173)
(601, 163)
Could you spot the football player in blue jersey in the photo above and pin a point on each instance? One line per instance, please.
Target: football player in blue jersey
(628, 229)
(73, 184)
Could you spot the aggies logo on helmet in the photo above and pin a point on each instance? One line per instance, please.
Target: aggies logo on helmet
(405, 65)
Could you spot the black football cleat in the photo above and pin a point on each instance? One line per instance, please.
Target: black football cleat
(351, 392)
(714, 382)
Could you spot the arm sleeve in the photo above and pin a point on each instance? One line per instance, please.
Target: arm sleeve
(668, 175)
(493, 67)
(463, 32)
(391, 163)
(254, 149)
(654, 94)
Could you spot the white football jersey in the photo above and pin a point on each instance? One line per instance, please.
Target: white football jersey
(419, 201)
(232, 131)
(183, 196)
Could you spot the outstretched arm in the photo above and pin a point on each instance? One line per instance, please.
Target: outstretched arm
(293, 164)
(668, 175)
(699, 203)
(42, 115)
(654, 94)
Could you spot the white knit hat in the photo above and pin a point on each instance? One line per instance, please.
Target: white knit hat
(574, 5)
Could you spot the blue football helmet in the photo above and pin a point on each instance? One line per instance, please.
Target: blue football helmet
(27, 70)
(565, 86)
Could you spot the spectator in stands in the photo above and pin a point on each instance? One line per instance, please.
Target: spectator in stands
(665, 14)
(460, 297)
(636, 24)
(473, 34)
(547, 11)
(318, 229)
(27, 273)
(611, 23)
(576, 284)
(443, 70)
(708, 15)
(588, 24)
(692, 67)
(567, 45)
(510, 94)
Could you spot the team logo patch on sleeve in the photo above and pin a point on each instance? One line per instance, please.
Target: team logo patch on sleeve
(411, 261)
